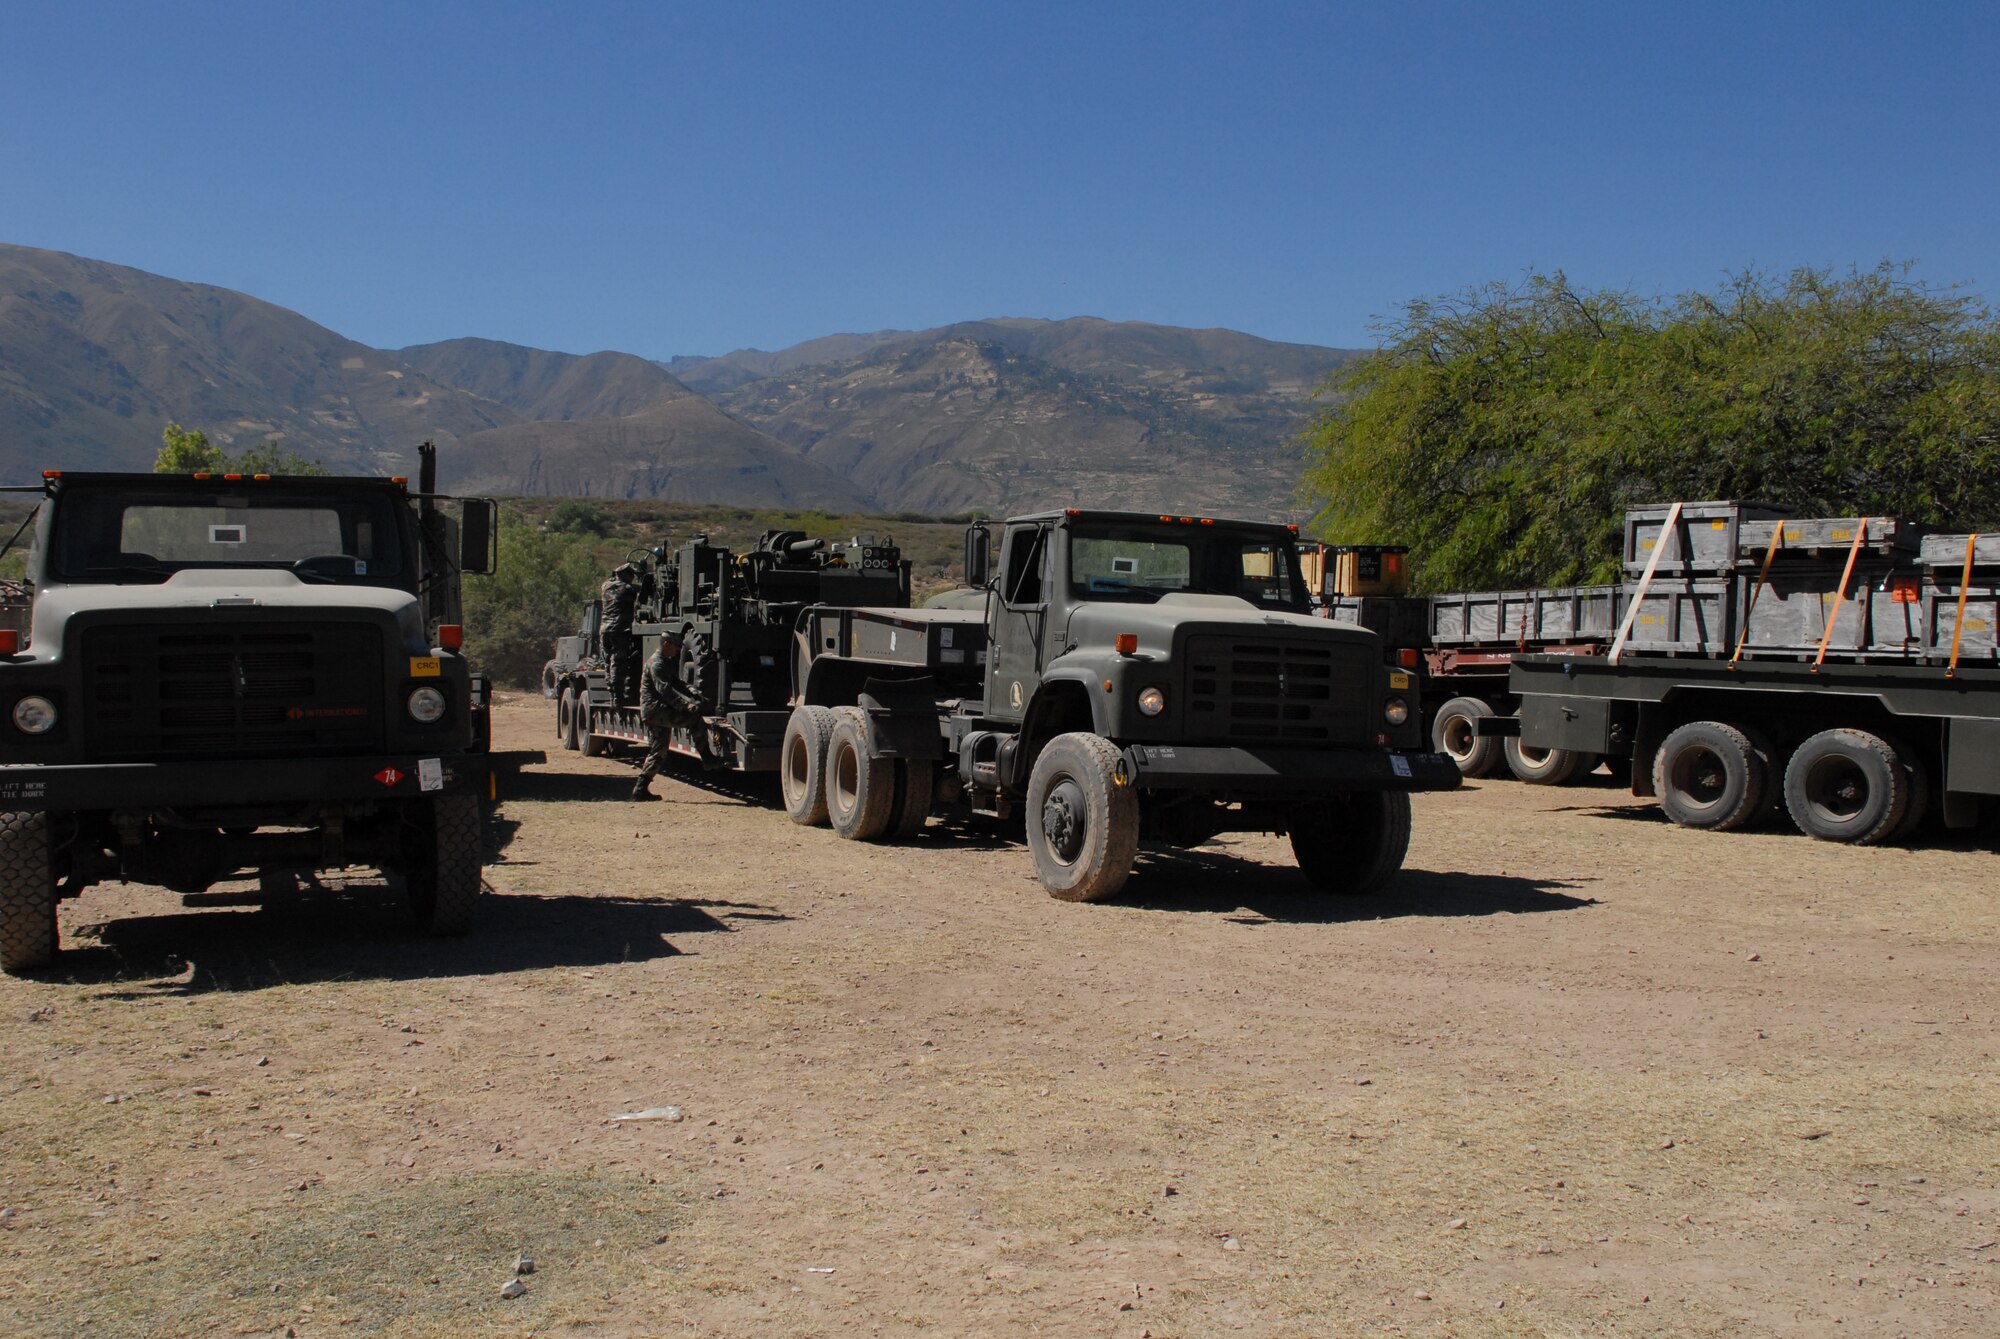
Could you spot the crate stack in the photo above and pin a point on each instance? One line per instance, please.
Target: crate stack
(1742, 579)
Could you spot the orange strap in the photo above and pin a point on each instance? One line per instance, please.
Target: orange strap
(1777, 538)
(1840, 595)
(1958, 622)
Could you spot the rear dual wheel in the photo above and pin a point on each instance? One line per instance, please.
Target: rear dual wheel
(1455, 733)
(1713, 775)
(1854, 786)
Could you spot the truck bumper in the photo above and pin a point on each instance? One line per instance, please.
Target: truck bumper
(1201, 768)
(238, 782)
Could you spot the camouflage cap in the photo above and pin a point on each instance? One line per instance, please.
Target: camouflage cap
(625, 570)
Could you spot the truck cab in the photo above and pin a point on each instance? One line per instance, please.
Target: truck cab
(226, 674)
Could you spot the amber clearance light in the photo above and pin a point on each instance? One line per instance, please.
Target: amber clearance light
(10, 641)
(451, 636)
(1126, 643)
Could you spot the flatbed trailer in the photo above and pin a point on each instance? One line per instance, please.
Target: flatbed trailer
(1855, 752)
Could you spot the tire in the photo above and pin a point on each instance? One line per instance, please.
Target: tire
(1452, 735)
(860, 790)
(566, 720)
(1918, 775)
(551, 679)
(802, 765)
(1083, 827)
(443, 880)
(1540, 767)
(1847, 786)
(1356, 843)
(916, 778)
(1711, 775)
(27, 893)
(588, 744)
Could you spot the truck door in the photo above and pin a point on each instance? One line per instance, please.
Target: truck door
(1020, 622)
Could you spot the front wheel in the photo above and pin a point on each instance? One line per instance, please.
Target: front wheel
(1083, 822)
(1354, 844)
(443, 878)
(27, 893)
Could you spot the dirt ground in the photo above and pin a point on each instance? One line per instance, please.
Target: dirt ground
(1578, 1073)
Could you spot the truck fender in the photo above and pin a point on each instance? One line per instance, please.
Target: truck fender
(900, 719)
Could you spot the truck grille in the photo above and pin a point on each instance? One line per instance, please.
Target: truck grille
(1244, 690)
(214, 691)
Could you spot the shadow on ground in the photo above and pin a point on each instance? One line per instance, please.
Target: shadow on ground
(1210, 881)
(360, 932)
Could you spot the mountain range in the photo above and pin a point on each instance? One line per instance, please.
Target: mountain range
(999, 415)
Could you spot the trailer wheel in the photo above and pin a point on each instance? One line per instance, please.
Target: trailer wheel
(27, 893)
(1847, 786)
(566, 719)
(802, 765)
(1540, 767)
(443, 880)
(589, 743)
(916, 778)
(1083, 823)
(1710, 775)
(1454, 732)
(860, 790)
(1918, 776)
(1354, 843)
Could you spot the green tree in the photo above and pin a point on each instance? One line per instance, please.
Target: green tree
(1502, 433)
(275, 458)
(574, 516)
(184, 452)
(536, 594)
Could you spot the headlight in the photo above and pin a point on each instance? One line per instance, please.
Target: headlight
(34, 715)
(426, 705)
(1151, 701)
(1395, 711)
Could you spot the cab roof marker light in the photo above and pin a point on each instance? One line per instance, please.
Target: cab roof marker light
(202, 474)
(1072, 511)
(1208, 520)
(399, 478)
(1167, 519)
(52, 474)
(1293, 528)
(233, 478)
(261, 478)
(1187, 520)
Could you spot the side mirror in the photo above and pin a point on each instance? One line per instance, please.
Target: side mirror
(978, 555)
(476, 529)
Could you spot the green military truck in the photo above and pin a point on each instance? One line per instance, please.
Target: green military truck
(233, 674)
(1116, 677)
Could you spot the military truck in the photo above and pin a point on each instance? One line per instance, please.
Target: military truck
(229, 674)
(1126, 676)
(736, 612)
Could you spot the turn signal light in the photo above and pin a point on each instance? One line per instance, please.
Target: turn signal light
(1125, 643)
(451, 636)
(10, 641)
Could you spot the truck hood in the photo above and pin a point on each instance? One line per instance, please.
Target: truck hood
(220, 588)
(1156, 623)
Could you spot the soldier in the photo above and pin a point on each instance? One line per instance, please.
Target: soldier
(665, 702)
(617, 599)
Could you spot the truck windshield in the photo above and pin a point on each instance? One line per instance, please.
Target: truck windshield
(1144, 563)
(143, 535)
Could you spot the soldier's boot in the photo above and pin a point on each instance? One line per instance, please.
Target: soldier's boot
(642, 790)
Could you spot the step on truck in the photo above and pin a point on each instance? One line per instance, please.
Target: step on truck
(1842, 670)
(228, 675)
(1122, 677)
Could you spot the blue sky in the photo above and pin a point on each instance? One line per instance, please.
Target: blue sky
(665, 178)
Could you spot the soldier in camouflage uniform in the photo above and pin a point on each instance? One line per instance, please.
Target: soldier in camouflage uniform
(665, 702)
(617, 598)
